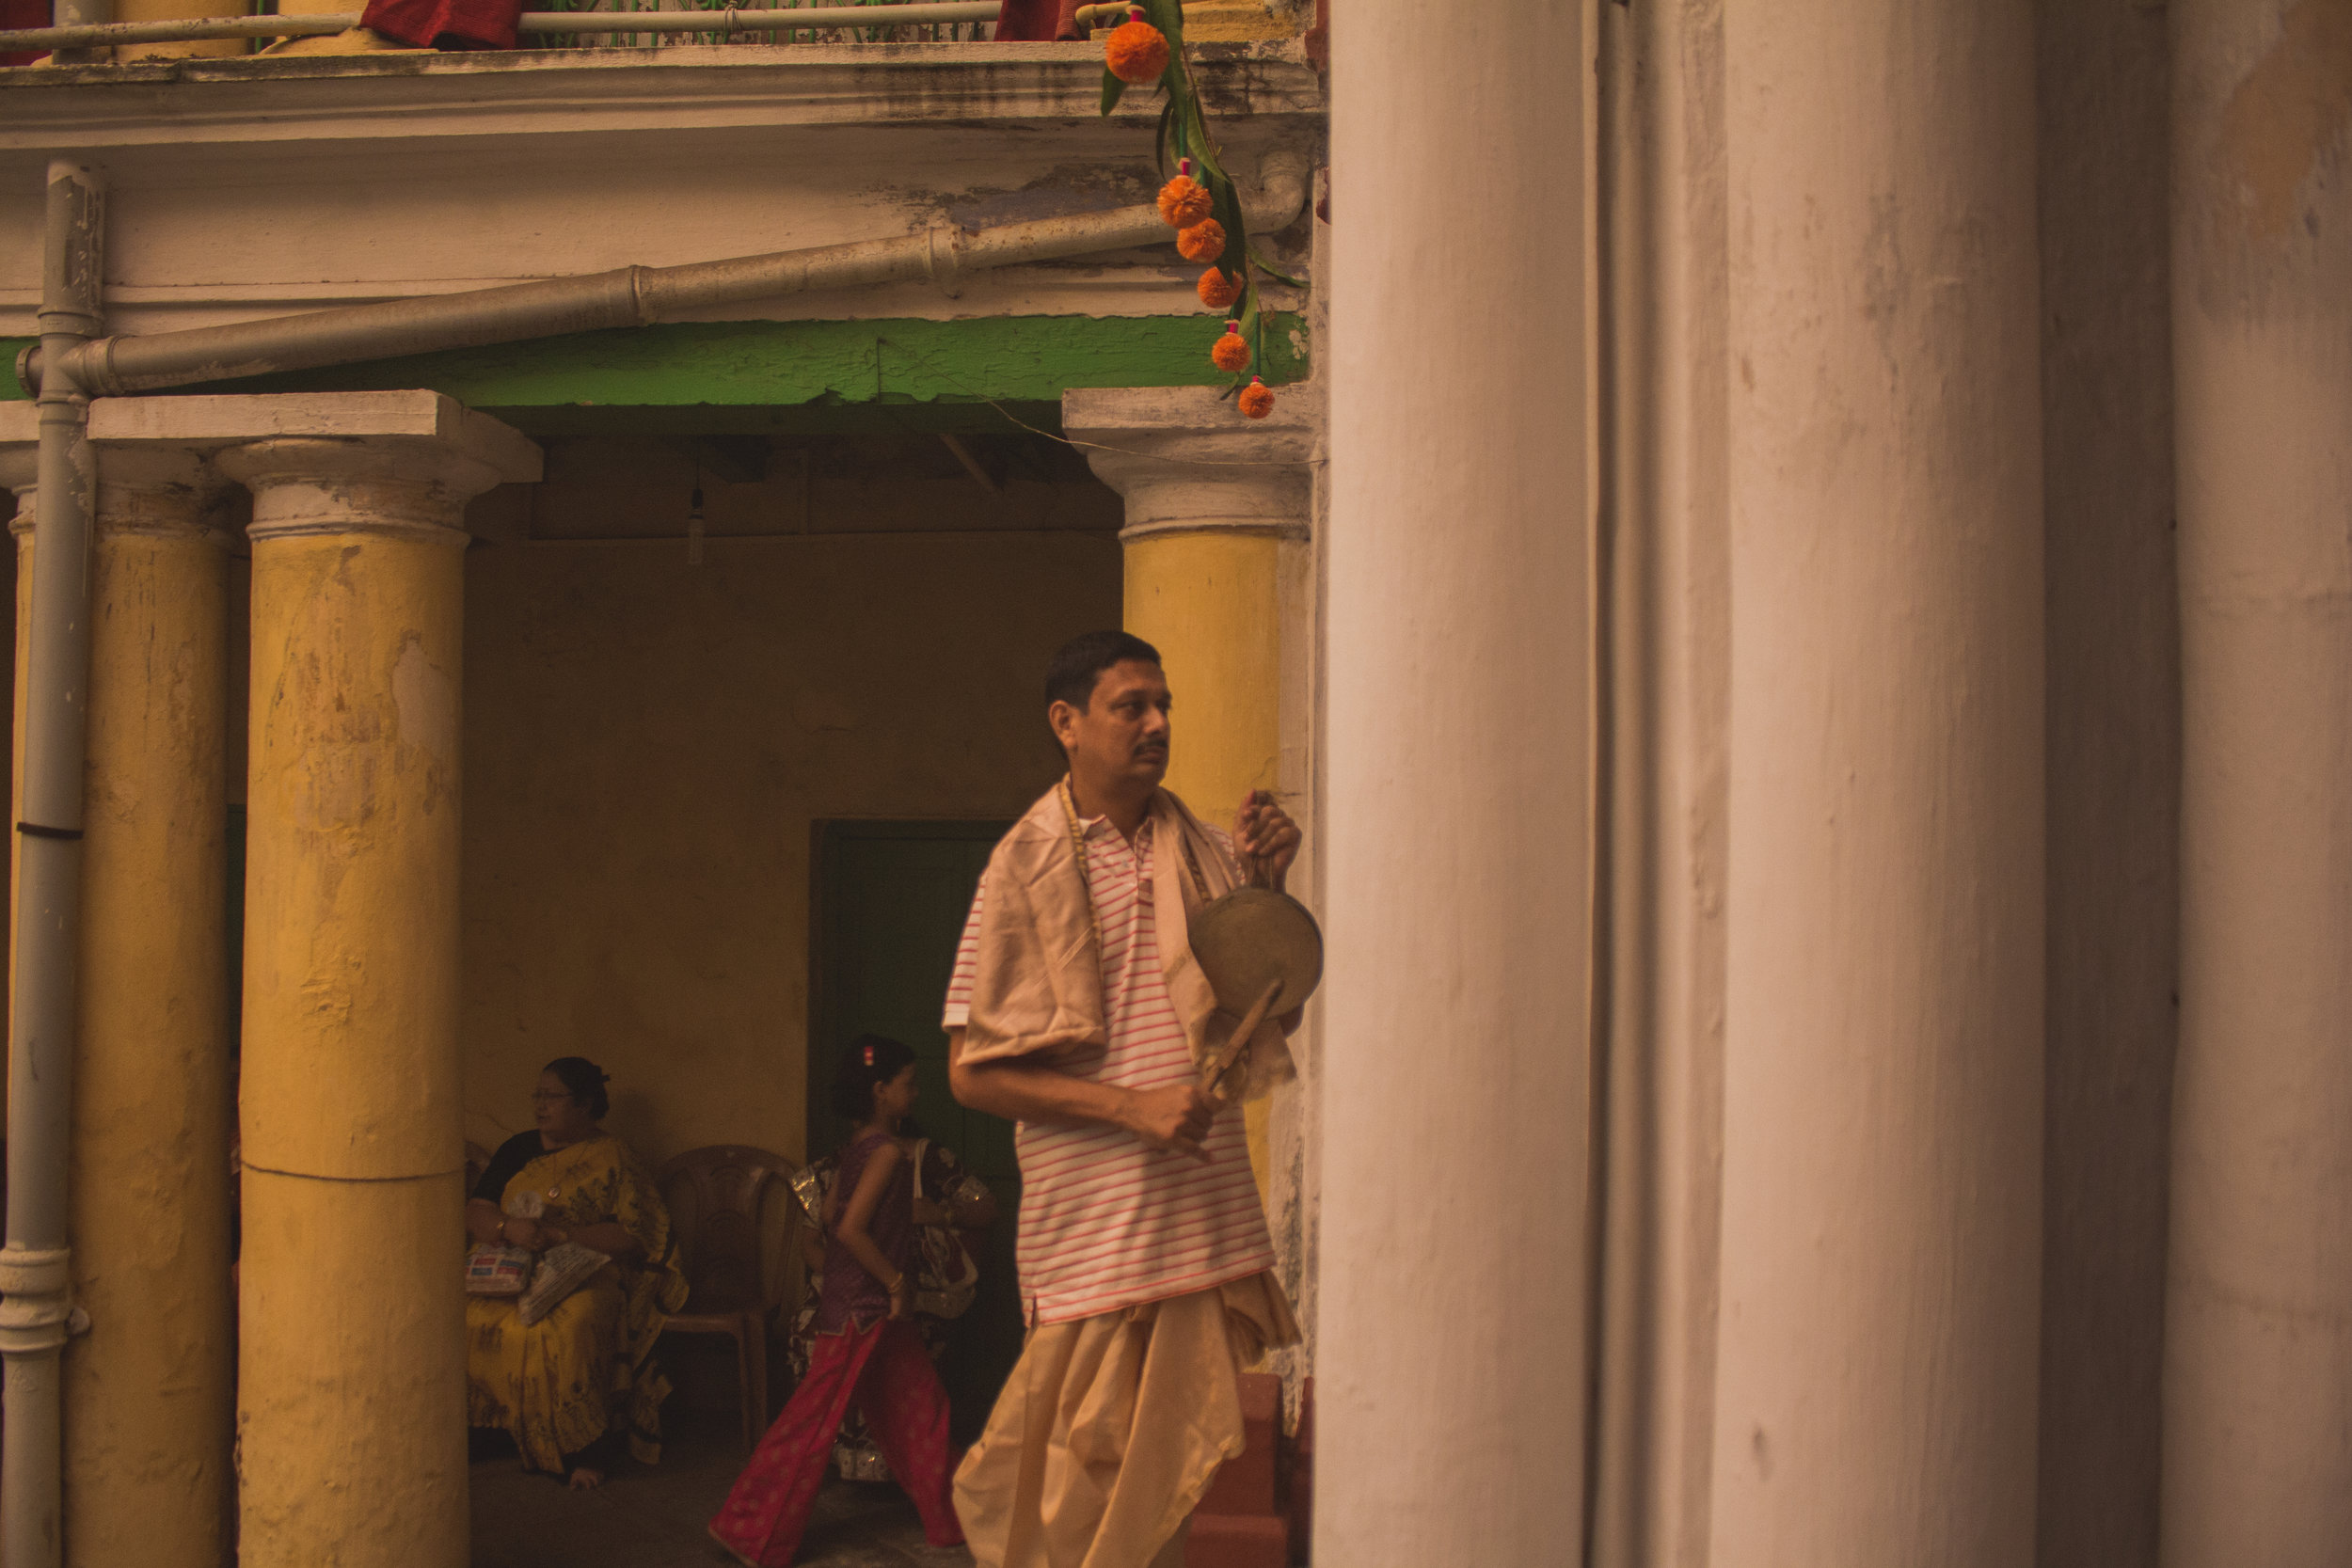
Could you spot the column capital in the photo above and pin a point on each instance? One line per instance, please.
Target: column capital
(163, 491)
(20, 444)
(143, 487)
(403, 463)
(1188, 462)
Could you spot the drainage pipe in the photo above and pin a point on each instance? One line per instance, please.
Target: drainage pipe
(93, 31)
(629, 296)
(35, 1315)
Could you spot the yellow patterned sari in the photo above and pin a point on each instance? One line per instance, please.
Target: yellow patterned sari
(586, 1368)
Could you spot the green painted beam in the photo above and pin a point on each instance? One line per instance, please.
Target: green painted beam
(809, 375)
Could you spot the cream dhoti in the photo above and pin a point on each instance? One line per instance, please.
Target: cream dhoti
(1111, 1427)
(1145, 1275)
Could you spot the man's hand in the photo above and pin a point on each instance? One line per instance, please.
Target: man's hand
(1265, 834)
(1176, 1117)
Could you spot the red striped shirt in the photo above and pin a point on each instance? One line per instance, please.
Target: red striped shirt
(1106, 1223)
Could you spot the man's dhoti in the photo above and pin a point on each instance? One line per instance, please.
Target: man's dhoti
(1111, 1427)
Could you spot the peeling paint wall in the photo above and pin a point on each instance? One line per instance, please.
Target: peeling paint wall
(648, 742)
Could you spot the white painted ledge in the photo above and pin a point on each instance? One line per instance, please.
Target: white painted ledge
(566, 91)
(201, 423)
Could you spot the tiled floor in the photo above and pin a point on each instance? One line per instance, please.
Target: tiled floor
(657, 1517)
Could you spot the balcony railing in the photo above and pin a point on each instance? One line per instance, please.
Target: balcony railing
(974, 23)
(595, 25)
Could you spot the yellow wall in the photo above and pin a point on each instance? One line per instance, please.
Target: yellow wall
(647, 744)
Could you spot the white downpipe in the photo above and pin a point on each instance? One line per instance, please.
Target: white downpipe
(36, 1314)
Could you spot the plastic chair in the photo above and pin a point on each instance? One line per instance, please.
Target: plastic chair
(732, 1211)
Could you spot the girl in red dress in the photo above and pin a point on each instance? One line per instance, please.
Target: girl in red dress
(867, 1351)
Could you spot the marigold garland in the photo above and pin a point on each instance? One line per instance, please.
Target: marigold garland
(1201, 203)
(1183, 202)
(1137, 52)
(1231, 353)
(1217, 291)
(1202, 242)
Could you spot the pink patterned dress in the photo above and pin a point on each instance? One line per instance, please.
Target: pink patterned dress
(862, 1359)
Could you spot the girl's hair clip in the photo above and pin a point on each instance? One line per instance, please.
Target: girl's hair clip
(870, 1056)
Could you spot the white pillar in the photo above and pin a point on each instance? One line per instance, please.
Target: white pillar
(1450, 1363)
(1880, 1219)
(2257, 1354)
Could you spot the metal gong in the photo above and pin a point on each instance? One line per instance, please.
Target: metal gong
(1263, 955)
(1253, 938)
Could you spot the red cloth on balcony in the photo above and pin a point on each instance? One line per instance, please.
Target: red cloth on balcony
(17, 14)
(445, 24)
(1037, 21)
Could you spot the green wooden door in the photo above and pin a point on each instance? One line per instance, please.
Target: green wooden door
(890, 904)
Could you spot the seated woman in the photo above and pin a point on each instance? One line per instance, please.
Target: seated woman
(573, 1386)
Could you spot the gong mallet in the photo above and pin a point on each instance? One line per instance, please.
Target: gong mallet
(1214, 1079)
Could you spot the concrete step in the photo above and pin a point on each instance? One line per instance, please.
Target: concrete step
(1236, 1541)
(1245, 1486)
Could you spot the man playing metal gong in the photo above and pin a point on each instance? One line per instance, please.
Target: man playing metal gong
(1078, 1010)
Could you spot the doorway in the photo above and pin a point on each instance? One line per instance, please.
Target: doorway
(887, 912)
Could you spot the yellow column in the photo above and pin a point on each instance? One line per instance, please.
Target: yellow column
(351, 1377)
(1216, 578)
(147, 1398)
(1222, 22)
(182, 10)
(1235, 21)
(1210, 600)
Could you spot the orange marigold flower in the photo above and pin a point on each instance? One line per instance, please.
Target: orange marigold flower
(1183, 203)
(1202, 242)
(1137, 52)
(1230, 352)
(1216, 290)
(1256, 399)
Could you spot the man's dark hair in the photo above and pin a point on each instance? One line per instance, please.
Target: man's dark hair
(584, 1081)
(1082, 660)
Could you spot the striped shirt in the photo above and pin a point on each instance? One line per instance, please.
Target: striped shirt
(1106, 1223)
